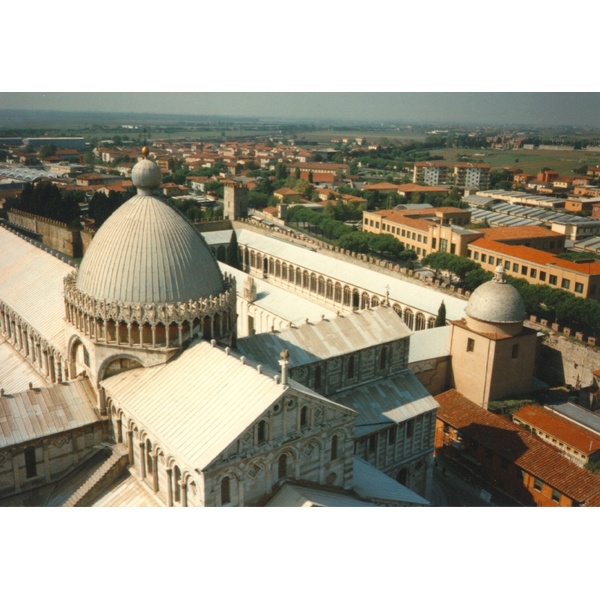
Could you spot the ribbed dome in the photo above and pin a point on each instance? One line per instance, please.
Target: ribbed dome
(146, 252)
(497, 302)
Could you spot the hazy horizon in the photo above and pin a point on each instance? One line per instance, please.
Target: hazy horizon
(495, 108)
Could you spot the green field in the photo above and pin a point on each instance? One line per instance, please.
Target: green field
(530, 161)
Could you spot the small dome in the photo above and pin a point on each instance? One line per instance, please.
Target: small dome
(146, 175)
(147, 252)
(497, 302)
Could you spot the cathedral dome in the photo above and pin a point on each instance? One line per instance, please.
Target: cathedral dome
(497, 302)
(147, 252)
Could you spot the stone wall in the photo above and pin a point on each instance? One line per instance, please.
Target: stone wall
(565, 360)
(213, 225)
(54, 234)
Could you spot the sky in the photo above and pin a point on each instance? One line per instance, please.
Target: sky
(499, 108)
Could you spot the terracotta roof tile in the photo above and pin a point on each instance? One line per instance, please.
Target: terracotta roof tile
(573, 435)
(529, 453)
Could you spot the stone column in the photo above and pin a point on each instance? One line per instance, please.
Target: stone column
(155, 474)
(142, 446)
(130, 447)
(169, 487)
(183, 486)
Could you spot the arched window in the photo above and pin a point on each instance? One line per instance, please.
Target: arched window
(321, 287)
(409, 318)
(338, 293)
(329, 289)
(225, 491)
(365, 301)
(347, 296)
(30, 462)
(374, 301)
(334, 447)
(263, 432)
(355, 299)
(420, 322)
(282, 466)
(284, 271)
(430, 323)
(313, 283)
(305, 280)
(298, 277)
(398, 310)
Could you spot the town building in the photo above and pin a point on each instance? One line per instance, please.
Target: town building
(430, 173)
(497, 352)
(573, 441)
(469, 175)
(509, 459)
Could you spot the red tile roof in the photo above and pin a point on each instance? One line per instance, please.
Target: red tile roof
(538, 257)
(560, 428)
(518, 232)
(520, 447)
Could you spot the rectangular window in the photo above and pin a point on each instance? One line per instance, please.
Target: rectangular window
(410, 429)
(537, 485)
(553, 280)
(533, 273)
(470, 345)
(579, 288)
(373, 444)
(556, 495)
(491, 260)
(524, 270)
(507, 265)
(565, 284)
(392, 436)
(419, 238)
(484, 258)
(476, 255)
(542, 275)
(515, 268)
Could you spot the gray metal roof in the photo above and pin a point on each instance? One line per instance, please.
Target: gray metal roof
(39, 413)
(429, 344)
(147, 252)
(279, 302)
(295, 495)
(371, 483)
(382, 403)
(15, 373)
(310, 343)
(198, 403)
(417, 296)
(31, 282)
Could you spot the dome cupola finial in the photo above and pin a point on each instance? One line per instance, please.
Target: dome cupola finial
(146, 175)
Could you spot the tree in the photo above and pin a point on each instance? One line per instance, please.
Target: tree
(440, 320)
(47, 150)
(233, 254)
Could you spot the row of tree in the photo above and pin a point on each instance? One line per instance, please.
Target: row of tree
(580, 314)
(46, 200)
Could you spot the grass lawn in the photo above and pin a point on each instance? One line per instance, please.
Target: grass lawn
(530, 161)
